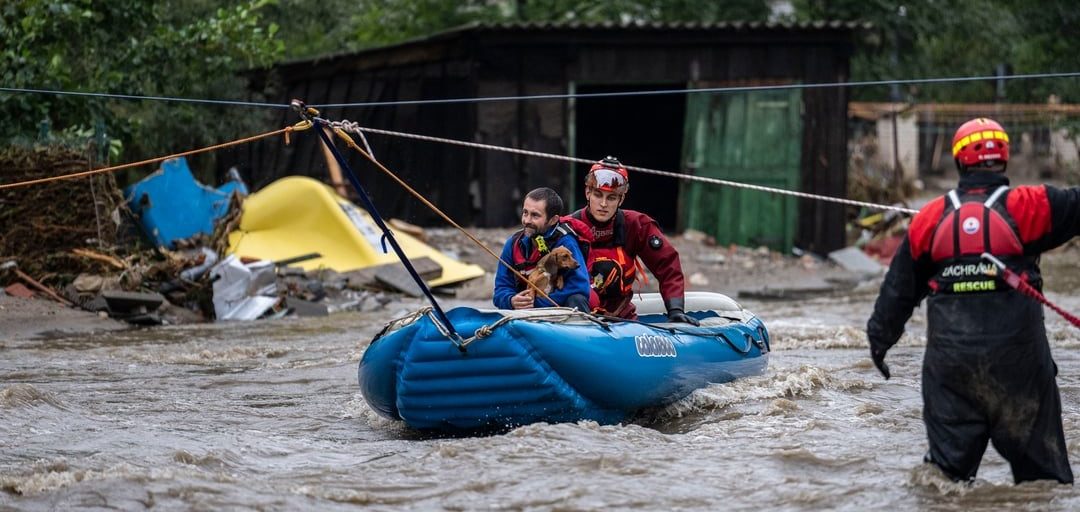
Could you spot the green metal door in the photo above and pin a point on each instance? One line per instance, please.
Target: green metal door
(752, 137)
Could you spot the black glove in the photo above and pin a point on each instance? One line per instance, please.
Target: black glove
(677, 315)
(878, 355)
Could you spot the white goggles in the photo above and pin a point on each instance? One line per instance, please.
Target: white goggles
(608, 178)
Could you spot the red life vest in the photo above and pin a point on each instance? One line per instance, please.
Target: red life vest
(524, 264)
(612, 271)
(971, 224)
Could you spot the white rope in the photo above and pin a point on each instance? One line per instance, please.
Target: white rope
(544, 314)
(350, 126)
(398, 323)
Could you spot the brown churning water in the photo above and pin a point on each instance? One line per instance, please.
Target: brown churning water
(267, 415)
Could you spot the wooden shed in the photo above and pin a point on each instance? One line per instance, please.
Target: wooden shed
(788, 138)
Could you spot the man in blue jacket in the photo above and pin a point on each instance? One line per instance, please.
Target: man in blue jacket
(541, 231)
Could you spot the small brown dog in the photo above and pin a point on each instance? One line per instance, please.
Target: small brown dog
(546, 275)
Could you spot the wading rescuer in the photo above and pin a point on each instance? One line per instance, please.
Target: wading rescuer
(541, 232)
(987, 374)
(619, 238)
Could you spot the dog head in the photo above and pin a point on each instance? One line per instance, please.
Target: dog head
(553, 263)
(559, 258)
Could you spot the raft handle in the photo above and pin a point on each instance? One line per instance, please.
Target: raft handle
(740, 351)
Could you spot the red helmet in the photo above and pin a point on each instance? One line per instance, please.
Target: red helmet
(608, 175)
(980, 140)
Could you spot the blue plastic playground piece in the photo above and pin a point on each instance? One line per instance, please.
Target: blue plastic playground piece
(171, 205)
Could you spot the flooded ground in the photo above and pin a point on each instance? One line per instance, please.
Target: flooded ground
(266, 415)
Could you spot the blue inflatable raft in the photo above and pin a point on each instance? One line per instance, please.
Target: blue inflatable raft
(555, 364)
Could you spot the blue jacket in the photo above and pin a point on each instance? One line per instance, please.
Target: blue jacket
(575, 281)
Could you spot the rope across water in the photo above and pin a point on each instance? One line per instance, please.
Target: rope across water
(483, 99)
(286, 131)
(343, 133)
(353, 127)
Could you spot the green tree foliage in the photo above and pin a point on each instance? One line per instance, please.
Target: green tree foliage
(204, 49)
(938, 38)
(1050, 42)
(381, 22)
(335, 26)
(312, 29)
(626, 11)
(186, 49)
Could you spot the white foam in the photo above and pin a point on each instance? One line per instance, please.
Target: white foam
(802, 335)
(50, 475)
(25, 395)
(777, 384)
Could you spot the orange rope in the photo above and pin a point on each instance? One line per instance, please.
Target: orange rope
(303, 125)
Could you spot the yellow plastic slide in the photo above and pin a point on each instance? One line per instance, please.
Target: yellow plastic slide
(297, 215)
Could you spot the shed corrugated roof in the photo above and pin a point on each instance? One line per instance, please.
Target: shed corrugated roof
(668, 25)
(632, 26)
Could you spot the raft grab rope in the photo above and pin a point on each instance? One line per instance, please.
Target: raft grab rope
(556, 314)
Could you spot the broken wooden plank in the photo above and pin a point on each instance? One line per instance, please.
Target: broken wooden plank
(397, 278)
(427, 268)
(787, 292)
(42, 288)
(297, 259)
(405, 227)
(853, 259)
(301, 307)
(119, 302)
(104, 258)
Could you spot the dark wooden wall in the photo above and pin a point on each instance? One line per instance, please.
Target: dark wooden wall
(822, 224)
(486, 62)
(442, 173)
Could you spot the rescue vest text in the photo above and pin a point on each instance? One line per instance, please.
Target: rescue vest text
(974, 286)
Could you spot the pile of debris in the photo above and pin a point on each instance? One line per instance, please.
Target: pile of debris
(44, 223)
(78, 242)
(876, 233)
(73, 241)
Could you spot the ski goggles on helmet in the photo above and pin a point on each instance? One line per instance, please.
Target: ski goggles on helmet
(609, 179)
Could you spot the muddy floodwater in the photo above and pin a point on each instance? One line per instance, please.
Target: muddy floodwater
(267, 415)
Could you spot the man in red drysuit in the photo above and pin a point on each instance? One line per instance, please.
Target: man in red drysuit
(619, 238)
(988, 374)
